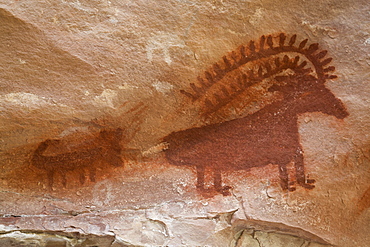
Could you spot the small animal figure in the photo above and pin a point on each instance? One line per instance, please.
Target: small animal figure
(106, 148)
(268, 136)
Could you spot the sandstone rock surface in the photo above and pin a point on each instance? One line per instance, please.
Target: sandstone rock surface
(90, 89)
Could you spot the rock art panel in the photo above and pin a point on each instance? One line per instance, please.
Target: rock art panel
(264, 124)
(295, 74)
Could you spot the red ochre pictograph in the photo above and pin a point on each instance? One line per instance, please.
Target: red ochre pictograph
(89, 155)
(296, 74)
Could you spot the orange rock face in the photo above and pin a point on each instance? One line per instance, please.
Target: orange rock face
(165, 123)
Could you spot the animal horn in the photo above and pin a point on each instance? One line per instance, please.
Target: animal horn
(250, 53)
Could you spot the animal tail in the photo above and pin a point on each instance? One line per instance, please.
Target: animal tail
(156, 149)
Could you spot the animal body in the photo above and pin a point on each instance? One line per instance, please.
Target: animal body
(268, 136)
(104, 149)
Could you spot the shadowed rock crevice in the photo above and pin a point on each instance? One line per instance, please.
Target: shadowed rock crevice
(58, 239)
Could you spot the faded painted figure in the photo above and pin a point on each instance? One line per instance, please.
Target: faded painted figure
(269, 135)
(104, 149)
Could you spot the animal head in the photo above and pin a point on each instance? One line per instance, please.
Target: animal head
(305, 93)
(111, 136)
(44, 145)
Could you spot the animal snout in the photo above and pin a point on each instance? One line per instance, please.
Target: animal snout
(343, 113)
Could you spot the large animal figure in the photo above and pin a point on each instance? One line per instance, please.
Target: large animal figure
(269, 135)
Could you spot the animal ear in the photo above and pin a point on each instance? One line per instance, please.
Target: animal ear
(280, 82)
(274, 88)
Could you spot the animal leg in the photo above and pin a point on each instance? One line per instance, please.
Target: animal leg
(284, 179)
(200, 177)
(217, 183)
(217, 180)
(92, 174)
(299, 168)
(50, 179)
(82, 178)
(64, 179)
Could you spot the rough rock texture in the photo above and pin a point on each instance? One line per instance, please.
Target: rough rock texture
(90, 92)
